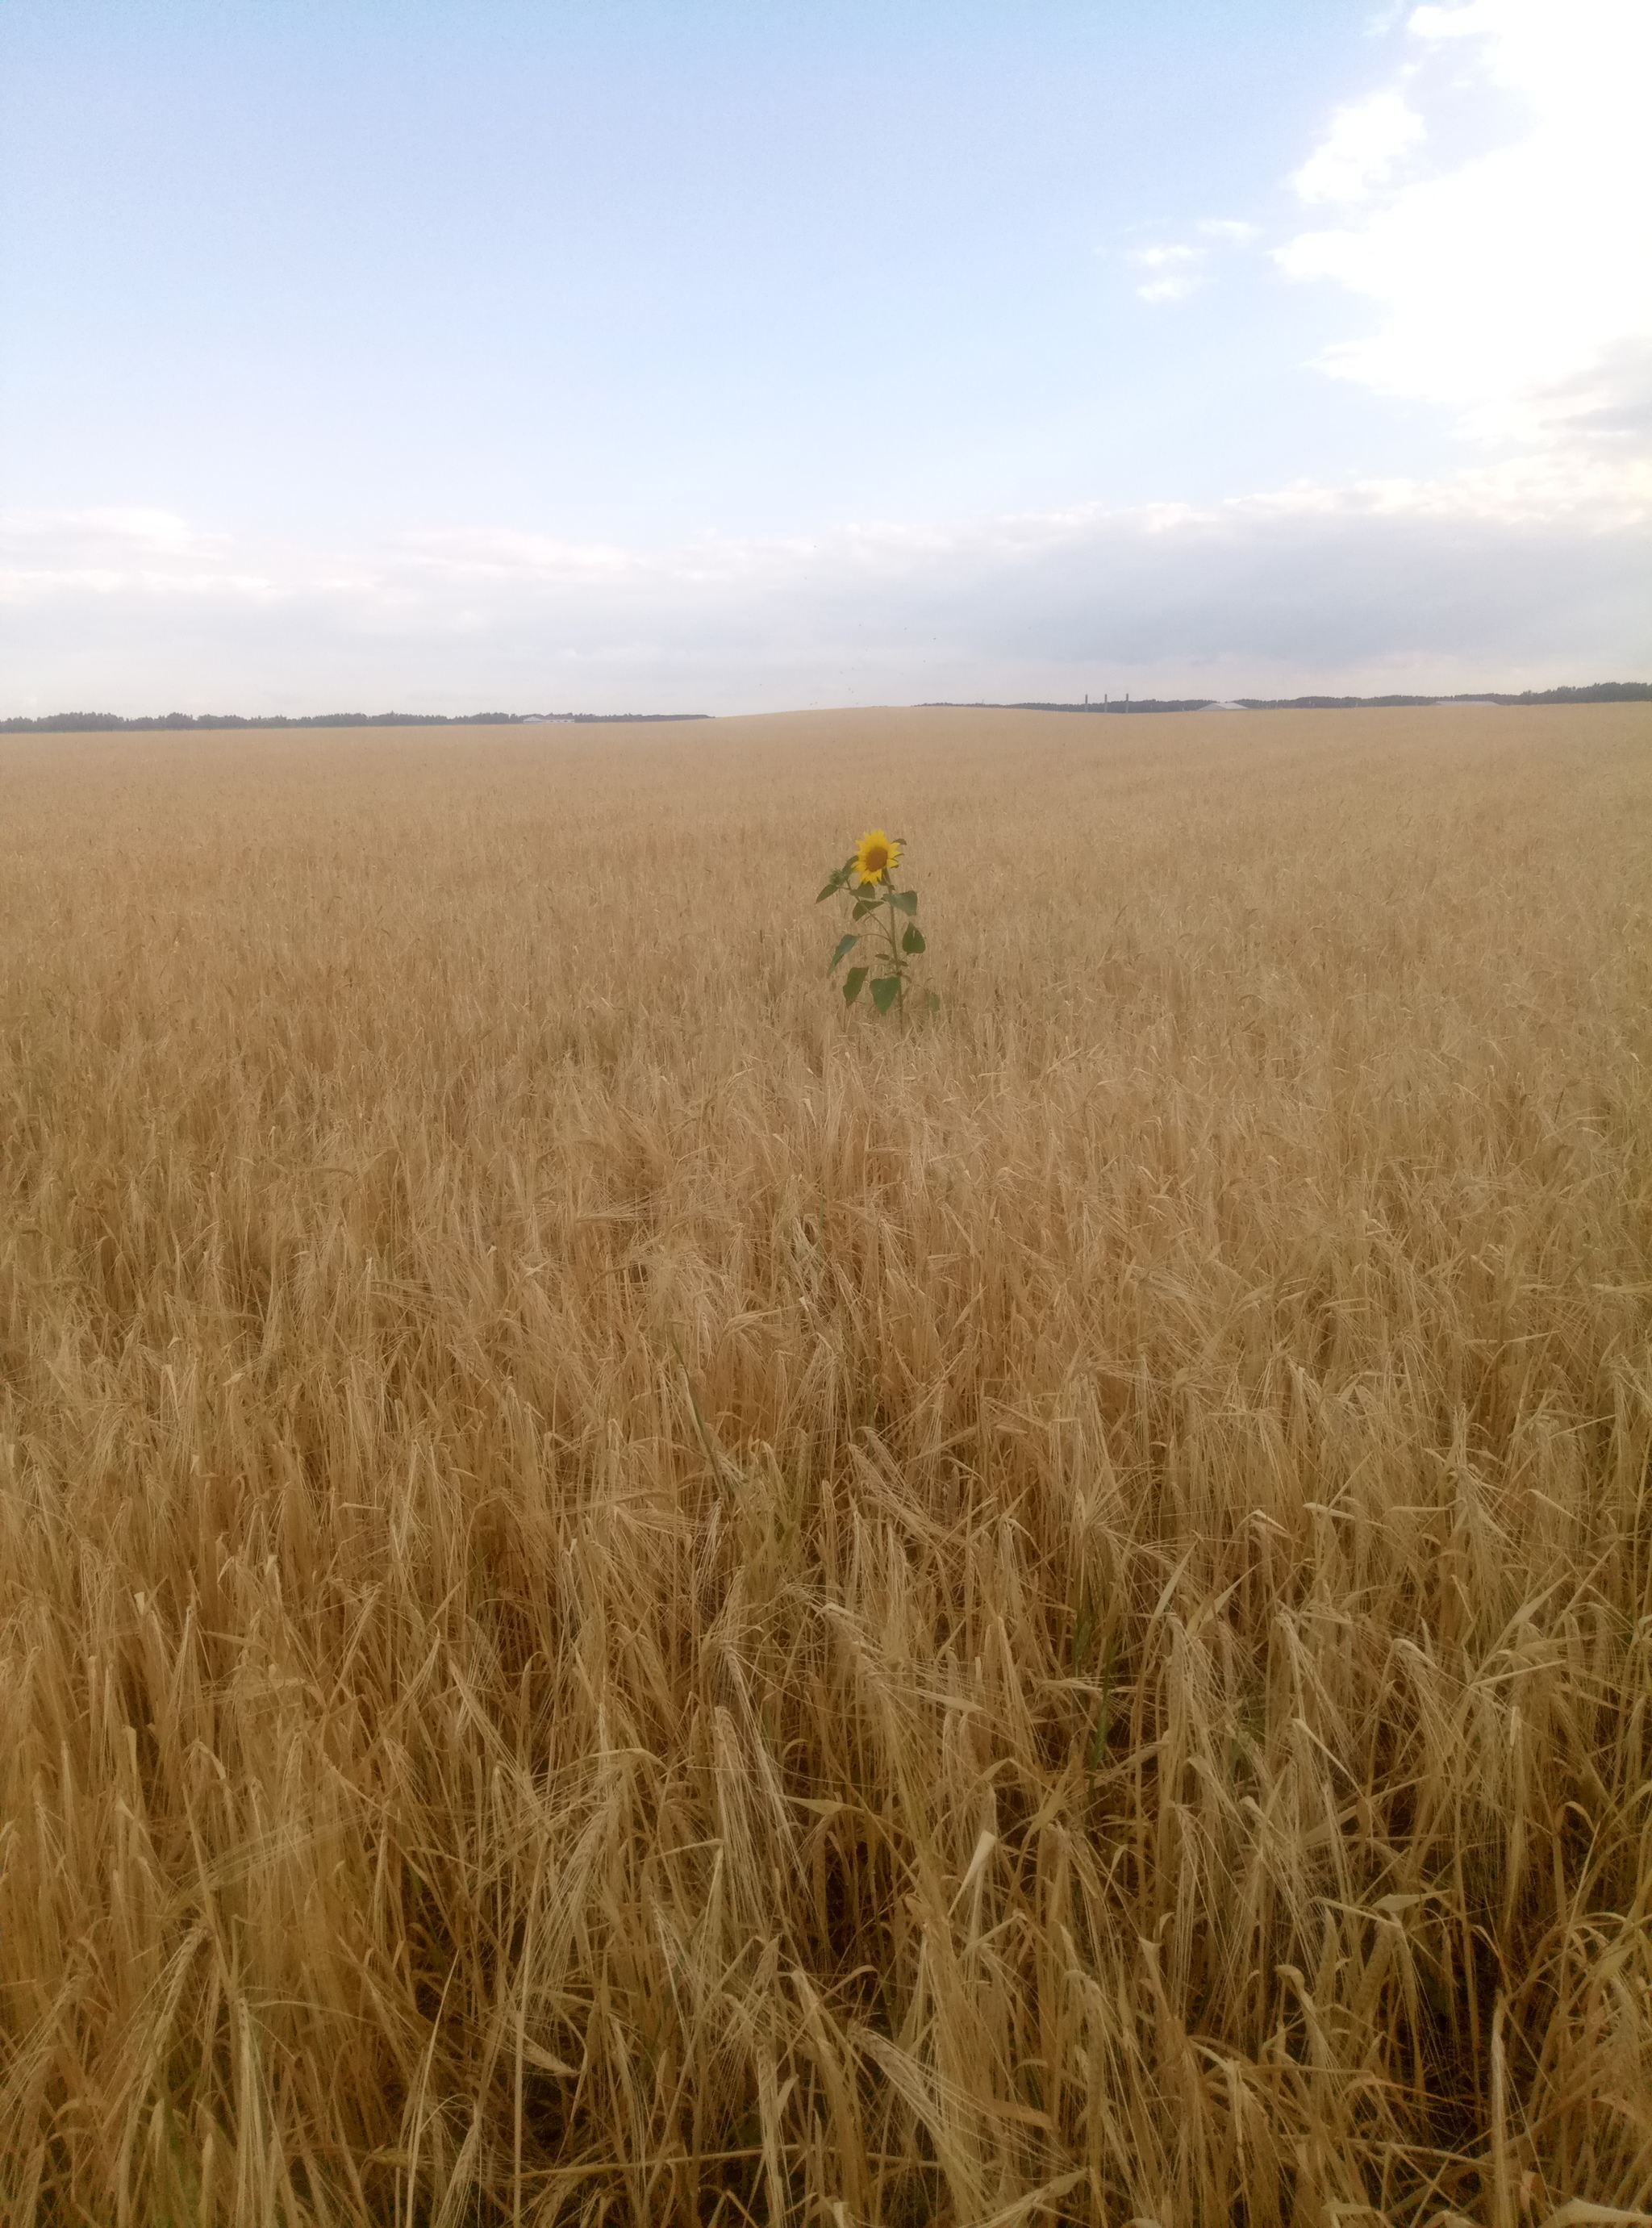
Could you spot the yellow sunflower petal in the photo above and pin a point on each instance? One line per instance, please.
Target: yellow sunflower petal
(875, 856)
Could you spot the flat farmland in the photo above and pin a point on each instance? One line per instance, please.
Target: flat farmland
(627, 1597)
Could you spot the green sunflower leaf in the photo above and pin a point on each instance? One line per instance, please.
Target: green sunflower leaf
(884, 992)
(903, 901)
(933, 1001)
(845, 944)
(913, 940)
(852, 982)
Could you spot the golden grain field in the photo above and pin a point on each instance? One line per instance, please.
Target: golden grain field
(625, 1598)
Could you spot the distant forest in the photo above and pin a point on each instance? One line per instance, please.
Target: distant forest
(85, 722)
(1597, 692)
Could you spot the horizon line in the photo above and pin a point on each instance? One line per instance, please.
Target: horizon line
(1596, 692)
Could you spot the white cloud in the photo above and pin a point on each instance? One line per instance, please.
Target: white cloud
(1174, 269)
(1515, 287)
(1360, 152)
(115, 552)
(1170, 273)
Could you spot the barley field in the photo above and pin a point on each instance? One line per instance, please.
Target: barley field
(627, 1598)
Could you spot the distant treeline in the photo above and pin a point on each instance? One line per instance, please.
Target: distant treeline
(82, 722)
(1597, 692)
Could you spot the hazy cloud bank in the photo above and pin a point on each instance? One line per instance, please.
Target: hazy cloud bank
(1515, 578)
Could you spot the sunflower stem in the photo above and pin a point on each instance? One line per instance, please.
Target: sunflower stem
(894, 949)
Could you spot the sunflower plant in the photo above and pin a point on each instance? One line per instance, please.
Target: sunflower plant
(868, 873)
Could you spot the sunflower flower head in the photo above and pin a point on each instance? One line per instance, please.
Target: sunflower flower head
(876, 856)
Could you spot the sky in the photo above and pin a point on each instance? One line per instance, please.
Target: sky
(739, 354)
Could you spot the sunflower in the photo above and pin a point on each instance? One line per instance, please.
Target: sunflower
(876, 855)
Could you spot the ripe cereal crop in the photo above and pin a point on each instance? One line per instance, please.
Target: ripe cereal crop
(628, 1596)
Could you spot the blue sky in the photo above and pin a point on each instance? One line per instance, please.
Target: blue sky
(736, 357)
